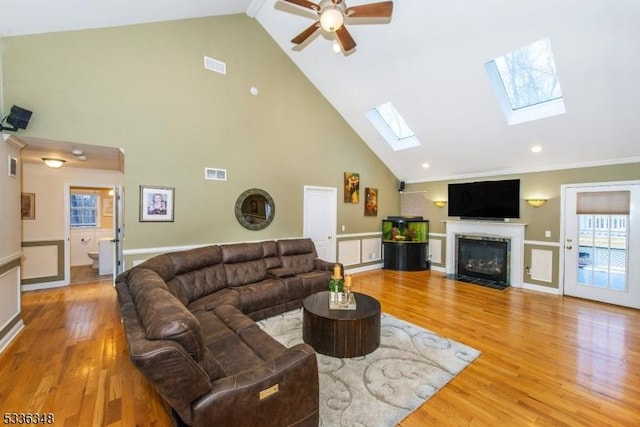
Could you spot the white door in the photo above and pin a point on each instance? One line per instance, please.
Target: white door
(319, 220)
(601, 237)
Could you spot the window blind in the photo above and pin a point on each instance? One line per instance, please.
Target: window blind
(604, 203)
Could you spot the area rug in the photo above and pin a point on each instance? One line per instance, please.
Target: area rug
(383, 387)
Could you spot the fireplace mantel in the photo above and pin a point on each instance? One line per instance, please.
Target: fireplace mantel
(506, 230)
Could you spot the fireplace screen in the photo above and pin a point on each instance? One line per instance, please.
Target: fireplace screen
(484, 258)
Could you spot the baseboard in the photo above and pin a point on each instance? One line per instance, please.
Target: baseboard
(538, 288)
(11, 334)
(360, 269)
(44, 285)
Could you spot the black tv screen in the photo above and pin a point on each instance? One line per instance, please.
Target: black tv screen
(485, 199)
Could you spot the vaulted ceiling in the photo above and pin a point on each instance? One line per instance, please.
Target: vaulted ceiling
(429, 61)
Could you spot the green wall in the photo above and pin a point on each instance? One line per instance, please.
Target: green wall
(144, 88)
(545, 185)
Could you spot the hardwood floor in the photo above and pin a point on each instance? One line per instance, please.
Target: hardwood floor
(546, 360)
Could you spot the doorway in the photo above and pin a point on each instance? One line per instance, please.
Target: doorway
(600, 234)
(91, 223)
(320, 218)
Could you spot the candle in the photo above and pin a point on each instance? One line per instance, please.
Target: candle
(336, 271)
(347, 282)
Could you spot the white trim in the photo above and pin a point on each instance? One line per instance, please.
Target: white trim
(348, 236)
(44, 285)
(565, 166)
(538, 288)
(370, 267)
(11, 335)
(542, 243)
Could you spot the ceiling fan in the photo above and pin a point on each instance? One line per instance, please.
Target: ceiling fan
(332, 14)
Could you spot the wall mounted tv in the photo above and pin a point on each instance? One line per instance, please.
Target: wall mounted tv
(485, 199)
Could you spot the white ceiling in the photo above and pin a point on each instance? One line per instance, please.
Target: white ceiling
(429, 61)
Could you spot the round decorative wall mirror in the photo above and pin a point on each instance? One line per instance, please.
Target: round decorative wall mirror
(255, 209)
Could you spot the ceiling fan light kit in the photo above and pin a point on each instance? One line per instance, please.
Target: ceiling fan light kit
(332, 15)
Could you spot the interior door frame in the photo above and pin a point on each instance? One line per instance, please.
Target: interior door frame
(563, 219)
(117, 226)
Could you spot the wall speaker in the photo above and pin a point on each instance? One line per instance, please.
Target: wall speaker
(401, 188)
(19, 117)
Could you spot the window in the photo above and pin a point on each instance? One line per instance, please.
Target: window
(84, 209)
(392, 126)
(526, 83)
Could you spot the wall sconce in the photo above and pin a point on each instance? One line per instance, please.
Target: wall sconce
(536, 203)
(53, 163)
(440, 203)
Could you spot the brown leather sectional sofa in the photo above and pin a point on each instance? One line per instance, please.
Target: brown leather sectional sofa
(189, 319)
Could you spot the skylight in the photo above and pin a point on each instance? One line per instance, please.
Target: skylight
(526, 83)
(392, 126)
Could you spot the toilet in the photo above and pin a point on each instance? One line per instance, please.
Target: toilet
(94, 257)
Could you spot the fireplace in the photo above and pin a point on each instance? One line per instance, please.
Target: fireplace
(512, 231)
(483, 257)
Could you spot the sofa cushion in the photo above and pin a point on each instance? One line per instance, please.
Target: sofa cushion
(235, 340)
(297, 255)
(258, 296)
(243, 263)
(165, 318)
(270, 254)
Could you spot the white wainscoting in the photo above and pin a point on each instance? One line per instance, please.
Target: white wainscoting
(10, 306)
(359, 249)
(541, 265)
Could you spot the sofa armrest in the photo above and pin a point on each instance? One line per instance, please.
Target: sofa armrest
(328, 266)
(278, 392)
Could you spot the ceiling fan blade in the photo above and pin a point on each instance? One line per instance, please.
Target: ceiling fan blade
(345, 39)
(372, 10)
(300, 38)
(305, 3)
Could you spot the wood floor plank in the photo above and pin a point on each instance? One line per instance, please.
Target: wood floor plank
(546, 359)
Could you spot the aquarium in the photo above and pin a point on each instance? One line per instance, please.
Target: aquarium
(405, 229)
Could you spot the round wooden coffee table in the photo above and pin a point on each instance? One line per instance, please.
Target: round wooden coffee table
(341, 333)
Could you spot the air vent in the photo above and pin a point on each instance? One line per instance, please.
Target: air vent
(215, 65)
(215, 174)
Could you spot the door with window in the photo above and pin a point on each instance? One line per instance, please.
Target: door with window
(601, 236)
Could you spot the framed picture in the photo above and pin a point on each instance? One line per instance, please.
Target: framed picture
(370, 201)
(107, 206)
(28, 205)
(156, 204)
(12, 166)
(351, 187)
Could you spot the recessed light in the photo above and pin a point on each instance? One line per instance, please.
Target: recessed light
(76, 152)
(536, 149)
(82, 157)
(425, 165)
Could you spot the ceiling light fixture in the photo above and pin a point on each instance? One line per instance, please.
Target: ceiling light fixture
(53, 163)
(76, 152)
(331, 18)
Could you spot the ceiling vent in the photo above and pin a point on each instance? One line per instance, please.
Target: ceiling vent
(215, 65)
(214, 174)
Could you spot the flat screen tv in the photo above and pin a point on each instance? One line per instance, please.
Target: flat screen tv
(485, 199)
